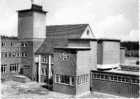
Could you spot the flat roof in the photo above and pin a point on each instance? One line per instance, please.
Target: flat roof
(34, 7)
(119, 72)
(122, 72)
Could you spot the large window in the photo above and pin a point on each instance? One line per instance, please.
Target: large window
(64, 79)
(3, 68)
(14, 67)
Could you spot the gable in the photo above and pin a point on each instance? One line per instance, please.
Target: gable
(87, 34)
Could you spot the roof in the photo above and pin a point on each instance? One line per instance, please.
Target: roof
(112, 40)
(66, 31)
(34, 7)
(58, 35)
(9, 37)
(119, 72)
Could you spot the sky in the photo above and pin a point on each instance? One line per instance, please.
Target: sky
(108, 18)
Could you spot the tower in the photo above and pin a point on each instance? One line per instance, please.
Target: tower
(31, 23)
(32, 33)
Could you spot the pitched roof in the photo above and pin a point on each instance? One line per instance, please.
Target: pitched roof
(57, 35)
(66, 31)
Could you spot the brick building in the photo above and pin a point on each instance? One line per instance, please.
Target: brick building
(63, 56)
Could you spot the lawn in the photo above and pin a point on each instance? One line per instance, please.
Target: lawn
(33, 90)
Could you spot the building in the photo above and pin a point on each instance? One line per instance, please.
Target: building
(10, 56)
(116, 82)
(62, 56)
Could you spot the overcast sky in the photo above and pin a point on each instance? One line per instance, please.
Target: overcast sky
(107, 18)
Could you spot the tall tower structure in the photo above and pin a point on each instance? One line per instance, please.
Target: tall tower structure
(32, 33)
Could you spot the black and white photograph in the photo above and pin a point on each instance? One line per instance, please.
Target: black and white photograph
(69, 49)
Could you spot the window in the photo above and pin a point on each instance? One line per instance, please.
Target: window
(3, 68)
(57, 78)
(87, 32)
(44, 59)
(44, 71)
(23, 44)
(18, 54)
(64, 79)
(4, 54)
(14, 67)
(23, 54)
(119, 78)
(106, 77)
(12, 43)
(14, 54)
(65, 56)
(100, 76)
(114, 78)
(3, 44)
(135, 81)
(10, 54)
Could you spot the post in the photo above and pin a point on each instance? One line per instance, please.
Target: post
(50, 71)
(39, 68)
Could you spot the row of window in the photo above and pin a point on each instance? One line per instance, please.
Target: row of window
(64, 79)
(82, 79)
(117, 78)
(64, 56)
(13, 54)
(13, 68)
(45, 59)
(23, 44)
(69, 80)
